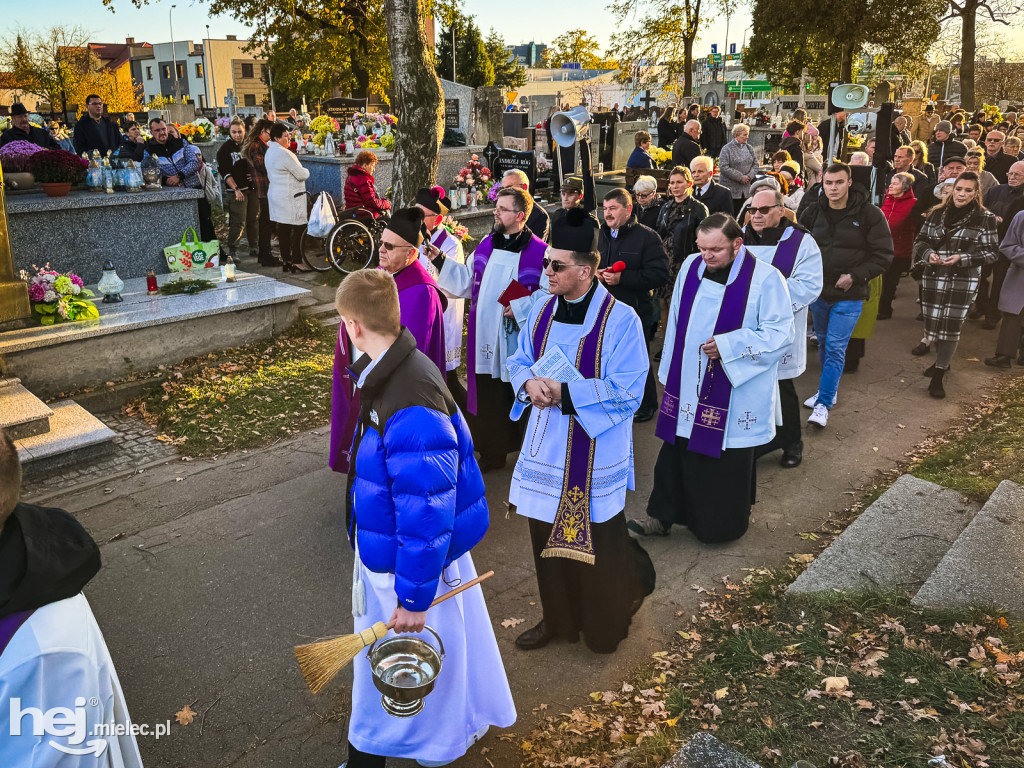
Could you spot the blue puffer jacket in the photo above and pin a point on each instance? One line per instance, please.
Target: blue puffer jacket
(418, 498)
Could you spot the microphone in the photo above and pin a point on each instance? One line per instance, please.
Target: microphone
(618, 266)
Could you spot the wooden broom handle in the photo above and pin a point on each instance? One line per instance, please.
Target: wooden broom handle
(455, 591)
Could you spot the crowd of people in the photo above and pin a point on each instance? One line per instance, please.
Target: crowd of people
(562, 319)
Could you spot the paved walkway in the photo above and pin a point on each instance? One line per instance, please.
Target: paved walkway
(213, 570)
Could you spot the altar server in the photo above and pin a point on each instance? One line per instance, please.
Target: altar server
(422, 308)
(435, 206)
(730, 323)
(418, 508)
(577, 458)
(507, 263)
(787, 246)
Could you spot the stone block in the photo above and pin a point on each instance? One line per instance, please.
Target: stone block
(985, 566)
(705, 751)
(22, 414)
(894, 544)
(74, 434)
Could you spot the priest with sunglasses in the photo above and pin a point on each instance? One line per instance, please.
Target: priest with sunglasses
(578, 376)
(730, 323)
(788, 247)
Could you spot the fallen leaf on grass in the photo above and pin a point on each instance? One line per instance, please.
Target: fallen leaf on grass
(721, 693)
(509, 623)
(865, 704)
(910, 680)
(836, 684)
(185, 716)
(812, 694)
(815, 724)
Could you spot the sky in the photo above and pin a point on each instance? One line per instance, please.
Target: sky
(518, 22)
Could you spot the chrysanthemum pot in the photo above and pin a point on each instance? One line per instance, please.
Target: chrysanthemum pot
(56, 188)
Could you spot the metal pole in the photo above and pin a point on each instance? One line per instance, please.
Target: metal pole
(949, 74)
(725, 52)
(453, 51)
(270, 77)
(174, 55)
(209, 64)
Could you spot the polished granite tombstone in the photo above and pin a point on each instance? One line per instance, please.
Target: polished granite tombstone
(143, 332)
(79, 232)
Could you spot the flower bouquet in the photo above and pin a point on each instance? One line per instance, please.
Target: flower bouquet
(321, 126)
(59, 298)
(543, 165)
(58, 168)
(474, 174)
(662, 157)
(224, 126)
(15, 156)
(456, 230)
(204, 130)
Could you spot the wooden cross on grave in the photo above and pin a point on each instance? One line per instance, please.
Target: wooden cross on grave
(647, 100)
(802, 82)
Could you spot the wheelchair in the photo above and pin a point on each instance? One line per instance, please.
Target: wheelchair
(351, 245)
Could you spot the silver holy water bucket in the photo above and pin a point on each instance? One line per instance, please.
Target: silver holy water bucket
(404, 669)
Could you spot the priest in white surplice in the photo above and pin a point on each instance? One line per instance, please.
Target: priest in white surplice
(435, 206)
(506, 264)
(576, 462)
(790, 249)
(730, 322)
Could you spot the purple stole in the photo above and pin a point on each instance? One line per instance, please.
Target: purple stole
(437, 241)
(570, 534)
(531, 266)
(785, 254)
(10, 624)
(708, 433)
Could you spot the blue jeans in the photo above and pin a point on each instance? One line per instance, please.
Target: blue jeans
(834, 322)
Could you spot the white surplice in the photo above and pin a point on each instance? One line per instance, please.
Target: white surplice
(804, 284)
(492, 343)
(471, 692)
(750, 354)
(450, 246)
(604, 407)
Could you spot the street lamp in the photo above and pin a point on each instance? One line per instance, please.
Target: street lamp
(174, 56)
(209, 65)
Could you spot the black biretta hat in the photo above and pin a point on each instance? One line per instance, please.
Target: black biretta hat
(576, 231)
(434, 199)
(407, 223)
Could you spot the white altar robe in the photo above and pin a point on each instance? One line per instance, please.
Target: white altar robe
(453, 315)
(750, 354)
(804, 285)
(471, 692)
(604, 407)
(492, 343)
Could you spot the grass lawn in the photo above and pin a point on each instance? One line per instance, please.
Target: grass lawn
(245, 397)
(855, 681)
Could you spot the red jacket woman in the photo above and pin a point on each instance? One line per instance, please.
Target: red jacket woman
(359, 190)
(896, 209)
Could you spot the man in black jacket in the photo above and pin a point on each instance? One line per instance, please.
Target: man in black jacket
(856, 246)
(687, 146)
(713, 133)
(22, 130)
(997, 162)
(945, 146)
(640, 249)
(94, 131)
(716, 198)
(903, 162)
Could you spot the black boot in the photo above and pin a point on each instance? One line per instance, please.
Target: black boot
(935, 388)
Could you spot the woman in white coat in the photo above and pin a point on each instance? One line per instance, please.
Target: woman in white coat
(286, 197)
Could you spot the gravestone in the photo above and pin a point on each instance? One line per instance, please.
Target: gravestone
(501, 160)
(488, 108)
(458, 108)
(705, 751)
(341, 109)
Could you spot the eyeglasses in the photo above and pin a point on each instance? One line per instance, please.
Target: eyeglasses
(503, 211)
(393, 246)
(558, 266)
(764, 210)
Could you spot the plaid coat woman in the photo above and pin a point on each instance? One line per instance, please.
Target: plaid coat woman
(948, 292)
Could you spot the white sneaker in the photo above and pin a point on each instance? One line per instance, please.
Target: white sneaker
(812, 401)
(819, 416)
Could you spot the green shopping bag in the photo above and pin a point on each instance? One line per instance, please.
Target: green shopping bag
(192, 254)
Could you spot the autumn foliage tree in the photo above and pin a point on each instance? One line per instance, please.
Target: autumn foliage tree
(577, 46)
(51, 64)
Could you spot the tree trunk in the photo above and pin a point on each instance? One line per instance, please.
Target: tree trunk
(968, 50)
(688, 67)
(418, 100)
(846, 64)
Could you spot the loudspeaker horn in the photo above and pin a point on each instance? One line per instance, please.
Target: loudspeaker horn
(565, 126)
(849, 96)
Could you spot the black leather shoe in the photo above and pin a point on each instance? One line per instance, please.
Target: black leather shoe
(642, 415)
(920, 349)
(535, 638)
(999, 361)
(930, 370)
(792, 455)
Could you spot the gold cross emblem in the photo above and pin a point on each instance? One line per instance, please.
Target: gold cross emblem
(711, 417)
(575, 494)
